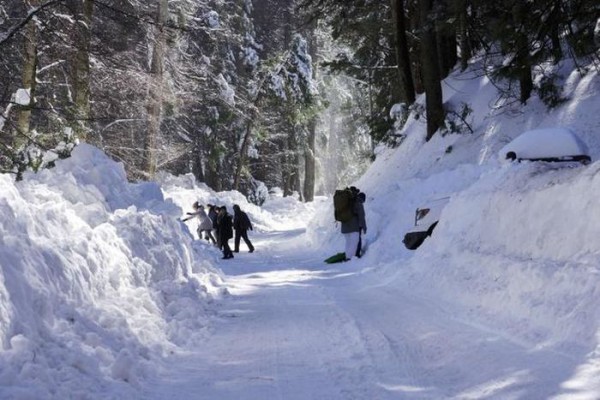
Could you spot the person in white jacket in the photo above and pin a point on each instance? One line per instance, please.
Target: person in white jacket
(205, 224)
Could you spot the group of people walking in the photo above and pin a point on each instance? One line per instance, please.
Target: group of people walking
(218, 221)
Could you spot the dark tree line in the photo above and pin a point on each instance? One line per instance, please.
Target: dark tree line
(236, 91)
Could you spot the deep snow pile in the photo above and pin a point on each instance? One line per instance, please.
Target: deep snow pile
(97, 278)
(517, 246)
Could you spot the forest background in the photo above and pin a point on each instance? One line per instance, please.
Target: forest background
(254, 95)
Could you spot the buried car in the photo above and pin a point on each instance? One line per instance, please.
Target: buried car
(547, 144)
(426, 219)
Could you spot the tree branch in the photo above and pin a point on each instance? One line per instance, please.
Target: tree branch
(4, 37)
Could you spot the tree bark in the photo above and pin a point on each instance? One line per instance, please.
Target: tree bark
(464, 45)
(242, 156)
(523, 62)
(407, 87)
(154, 107)
(310, 170)
(82, 69)
(430, 67)
(446, 46)
(310, 165)
(28, 77)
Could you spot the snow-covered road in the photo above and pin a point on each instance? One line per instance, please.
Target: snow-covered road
(296, 328)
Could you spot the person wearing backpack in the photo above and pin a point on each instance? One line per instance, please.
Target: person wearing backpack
(241, 224)
(353, 221)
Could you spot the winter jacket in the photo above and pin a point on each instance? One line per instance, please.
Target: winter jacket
(241, 222)
(212, 214)
(358, 222)
(204, 223)
(225, 227)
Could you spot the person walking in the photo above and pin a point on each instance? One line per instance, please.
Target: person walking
(225, 230)
(204, 223)
(352, 228)
(241, 224)
(212, 215)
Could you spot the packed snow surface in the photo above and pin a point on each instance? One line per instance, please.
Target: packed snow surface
(106, 294)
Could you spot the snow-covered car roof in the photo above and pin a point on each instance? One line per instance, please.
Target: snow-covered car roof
(552, 144)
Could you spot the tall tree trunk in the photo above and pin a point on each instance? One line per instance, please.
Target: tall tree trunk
(242, 156)
(446, 47)
(197, 164)
(154, 107)
(310, 168)
(82, 68)
(431, 70)
(296, 178)
(523, 60)
(407, 87)
(28, 77)
(464, 44)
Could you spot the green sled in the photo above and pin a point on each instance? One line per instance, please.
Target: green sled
(339, 257)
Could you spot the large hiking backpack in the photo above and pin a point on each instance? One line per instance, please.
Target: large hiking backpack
(343, 204)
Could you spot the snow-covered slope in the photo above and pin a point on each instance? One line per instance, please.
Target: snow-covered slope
(517, 246)
(99, 279)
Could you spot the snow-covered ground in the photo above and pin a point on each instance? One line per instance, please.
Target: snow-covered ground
(105, 294)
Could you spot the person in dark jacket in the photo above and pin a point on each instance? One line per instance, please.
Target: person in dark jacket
(361, 197)
(241, 224)
(212, 214)
(352, 228)
(225, 225)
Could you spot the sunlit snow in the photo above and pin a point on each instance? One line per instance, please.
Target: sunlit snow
(106, 294)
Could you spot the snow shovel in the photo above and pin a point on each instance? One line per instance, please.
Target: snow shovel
(339, 257)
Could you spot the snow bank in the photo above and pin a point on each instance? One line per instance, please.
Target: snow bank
(520, 249)
(97, 279)
(517, 246)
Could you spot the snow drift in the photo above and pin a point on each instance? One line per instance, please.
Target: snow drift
(517, 246)
(97, 277)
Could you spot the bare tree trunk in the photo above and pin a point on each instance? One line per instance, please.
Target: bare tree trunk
(407, 87)
(431, 70)
(197, 162)
(28, 79)
(446, 47)
(310, 167)
(242, 157)
(296, 181)
(82, 68)
(154, 106)
(522, 54)
(463, 37)
(310, 170)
